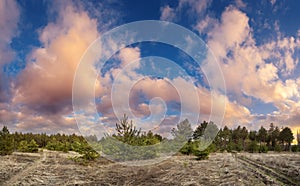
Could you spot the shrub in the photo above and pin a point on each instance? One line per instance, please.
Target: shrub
(253, 147)
(86, 157)
(278, 148)
(23, 146)
(31, 147)
(295, 148)
(188, 148)
(58, 146)
(6, 142)
(201, 155)
(263, 149)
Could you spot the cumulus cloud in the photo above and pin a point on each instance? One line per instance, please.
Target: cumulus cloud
(9, 18)
(254, 70)
(234, 29)
(45, 84)
(42, 92)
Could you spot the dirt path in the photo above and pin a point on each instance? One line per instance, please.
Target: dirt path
(27, 170)
(267, 172)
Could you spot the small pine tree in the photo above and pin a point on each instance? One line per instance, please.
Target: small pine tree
(23, 146)
(6, 142)
(33, 146)
(126, 132)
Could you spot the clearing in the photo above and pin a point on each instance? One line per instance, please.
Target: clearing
(54, 168)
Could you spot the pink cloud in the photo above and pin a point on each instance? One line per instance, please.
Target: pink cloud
(46, 82)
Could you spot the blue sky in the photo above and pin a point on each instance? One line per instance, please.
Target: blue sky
(255, 43)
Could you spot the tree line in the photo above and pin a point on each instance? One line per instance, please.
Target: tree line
(29, 142)
(122, 145)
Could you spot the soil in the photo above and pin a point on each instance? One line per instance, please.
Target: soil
(55, 168)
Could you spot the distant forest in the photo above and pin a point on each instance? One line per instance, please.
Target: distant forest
(225, 139)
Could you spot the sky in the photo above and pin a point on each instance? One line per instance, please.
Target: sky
(255, 44)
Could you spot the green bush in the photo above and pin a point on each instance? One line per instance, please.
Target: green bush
(201, 155)
(23, 146)
(6, 142)
(58, 146)
(295, 148)
(253, 147)
(31, 147)
(263, 149)
(90, 155)
(189, 148)
(278, 148)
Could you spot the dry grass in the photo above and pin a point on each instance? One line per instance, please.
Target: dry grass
(54, 168)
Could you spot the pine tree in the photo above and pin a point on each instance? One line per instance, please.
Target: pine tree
(33, 146)
(298, 138)
(6, 142)
(126, 132)
(286, 136)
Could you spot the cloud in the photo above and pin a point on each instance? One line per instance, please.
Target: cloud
(195, 7)
(234, 29)
(167, 13)
(128, 55)
(252, 70)
(208, 23)
(45, 85)
(9, 18)
(42, 92)
(240, 4)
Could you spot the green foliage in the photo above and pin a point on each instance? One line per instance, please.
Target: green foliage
(183, 132)
(189, 148)
(295, 148)
(129, 144)
(31, 147)
(120, 151)
(286, 137)
(86, 157)
(199, 131)
(126, 132)
(90, 155)
(263, 149)
(253, 147)
(58, 146)
(6, 142)
(23, 146)
(262, 134)
(201, 155)
(278, 148)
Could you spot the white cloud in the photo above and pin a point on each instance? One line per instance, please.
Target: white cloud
(9, 17)
(167, 13)
(196, 7)
(254, 70)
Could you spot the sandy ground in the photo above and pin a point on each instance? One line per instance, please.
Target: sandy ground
(54, 168)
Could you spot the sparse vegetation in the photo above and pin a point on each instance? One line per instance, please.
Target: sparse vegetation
(6, 142)
(129, 143)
